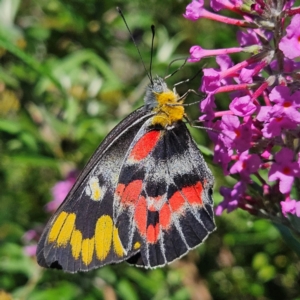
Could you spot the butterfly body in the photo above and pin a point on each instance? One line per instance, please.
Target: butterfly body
(144, 196)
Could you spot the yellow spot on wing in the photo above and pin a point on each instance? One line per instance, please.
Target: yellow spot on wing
(137, 245)
(118, 247)
(95, 188)
(103, 236)
(106, 235)
(56, 227)
(168, 110)
(87, 250)
(66, 230)
(75, 242)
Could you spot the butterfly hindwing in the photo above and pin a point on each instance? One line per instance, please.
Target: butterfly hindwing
(164, 204)
(81, 235)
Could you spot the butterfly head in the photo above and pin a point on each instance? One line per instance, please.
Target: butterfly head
(166, 104)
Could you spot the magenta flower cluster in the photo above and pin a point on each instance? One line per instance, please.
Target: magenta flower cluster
(258, 140)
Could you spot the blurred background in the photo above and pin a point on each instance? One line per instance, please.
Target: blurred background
(69, 73)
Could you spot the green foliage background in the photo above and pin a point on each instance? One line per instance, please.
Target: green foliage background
(69, 73)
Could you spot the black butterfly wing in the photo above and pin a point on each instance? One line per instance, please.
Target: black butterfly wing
(81, 235)
(163, 201)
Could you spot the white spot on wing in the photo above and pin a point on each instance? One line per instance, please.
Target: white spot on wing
(93, 189)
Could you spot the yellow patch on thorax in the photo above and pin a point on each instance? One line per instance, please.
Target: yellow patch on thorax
(168, 110)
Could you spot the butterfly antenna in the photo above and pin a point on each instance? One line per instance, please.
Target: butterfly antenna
(136, 46)
(152, 47)
(177, 59)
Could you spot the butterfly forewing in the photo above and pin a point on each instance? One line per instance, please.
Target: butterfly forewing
(71, 240)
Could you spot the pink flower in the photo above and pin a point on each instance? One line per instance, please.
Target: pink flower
(207, 106)
(289, 44)
(60, 191)
(287, 103)
(284, 169)
(248, 38)
(242, 106)
(222, 156)
(30, 235)
(246, 165)
(30, 250)
(288, 207)
(232, 198)
(211, 80)
(193, 10)
(197, 53)
(235, 135)
(274, 121)
(297, 209)
(255, 105)
(30, 239)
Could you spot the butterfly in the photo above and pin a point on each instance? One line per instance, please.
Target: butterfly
(145, 196)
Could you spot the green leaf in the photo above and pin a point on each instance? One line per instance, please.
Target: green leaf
(126, 291)
(205, 151)
(181, 294)
(62, 291)
(289, 238)
(35, 160)
(74, 60)
(30, 61)
(266, 273)
(150, 282)
(260, 260)
(8, 79)
(107, 274)
(9, 126)
(13, 260)
(295, 221)
(29, 141)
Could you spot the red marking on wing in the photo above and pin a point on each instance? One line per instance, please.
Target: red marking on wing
(176, 201)
(165, 216)
(140, 215)
(120, 189)
(152, 233)
(144, 146)
(131, 193)
(152, 208)
(193, 193)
